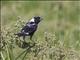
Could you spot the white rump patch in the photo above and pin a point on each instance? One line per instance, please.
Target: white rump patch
(27, 33)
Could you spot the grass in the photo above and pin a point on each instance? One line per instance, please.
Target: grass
(57, 37)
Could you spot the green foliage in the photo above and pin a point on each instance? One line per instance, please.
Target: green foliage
(58, 35)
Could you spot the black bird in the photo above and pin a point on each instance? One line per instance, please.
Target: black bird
(29, 28)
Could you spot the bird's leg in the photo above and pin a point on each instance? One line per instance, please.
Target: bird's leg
(24, 38)
(31, 37)
(24, 42)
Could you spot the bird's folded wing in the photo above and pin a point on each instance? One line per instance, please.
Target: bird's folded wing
(29, 28)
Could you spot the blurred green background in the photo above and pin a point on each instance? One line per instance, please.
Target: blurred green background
(62, 17)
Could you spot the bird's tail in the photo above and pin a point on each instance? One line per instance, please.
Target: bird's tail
(21, 34)
(18, 34)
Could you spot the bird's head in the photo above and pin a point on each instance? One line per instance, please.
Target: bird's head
(36, 19)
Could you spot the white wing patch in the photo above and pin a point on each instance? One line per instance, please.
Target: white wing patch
(32, 20)
(22, 30)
